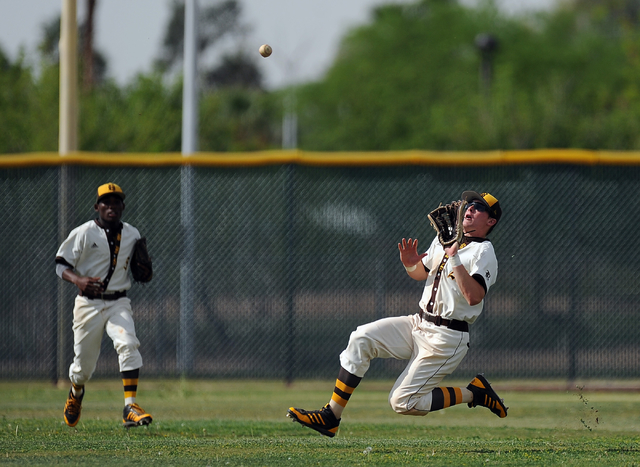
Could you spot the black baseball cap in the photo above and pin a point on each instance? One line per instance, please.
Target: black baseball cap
(110, 189)
(490, 201)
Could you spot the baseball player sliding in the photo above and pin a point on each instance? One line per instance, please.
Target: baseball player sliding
(95, 258)
(436, 339)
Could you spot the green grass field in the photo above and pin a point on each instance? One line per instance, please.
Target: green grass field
(234, 423)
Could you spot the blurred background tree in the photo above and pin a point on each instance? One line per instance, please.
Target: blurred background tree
(17, 90)
(217, 22)
(409, 79)
(93, 63)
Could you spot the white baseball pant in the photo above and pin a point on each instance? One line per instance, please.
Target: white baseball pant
(433, 353)
(90, 319)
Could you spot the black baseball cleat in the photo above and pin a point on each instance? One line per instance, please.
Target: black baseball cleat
(485, 396)
(134, 415)
(323, 420)
(72, 408)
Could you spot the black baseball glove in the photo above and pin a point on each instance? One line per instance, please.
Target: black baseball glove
(447, 222)
(141, 267)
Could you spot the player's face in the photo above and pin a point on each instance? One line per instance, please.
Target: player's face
(477, 221)
(110, 209)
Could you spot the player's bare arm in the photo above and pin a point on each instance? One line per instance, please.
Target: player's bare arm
(410, 258)
(471, 290)
(87, 285)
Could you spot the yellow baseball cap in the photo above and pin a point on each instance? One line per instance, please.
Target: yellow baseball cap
(110, 189)
(487, 199)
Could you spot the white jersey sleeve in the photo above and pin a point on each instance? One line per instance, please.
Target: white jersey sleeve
(483, 262)
(72, 249)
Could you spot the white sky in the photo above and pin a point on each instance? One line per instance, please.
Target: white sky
(304, 34)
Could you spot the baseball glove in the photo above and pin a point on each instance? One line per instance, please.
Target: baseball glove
(141, 267)
(447, 222)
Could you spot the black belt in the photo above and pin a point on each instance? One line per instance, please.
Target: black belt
(454, 324)
(106, 296)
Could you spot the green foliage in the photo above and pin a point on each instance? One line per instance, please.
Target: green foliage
(237, 119)
(143, 117)
(398, 83)
(16, 93)
(410, 80)
(43, 115)
(146, 116)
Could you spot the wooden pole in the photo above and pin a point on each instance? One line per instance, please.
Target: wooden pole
(67, 142)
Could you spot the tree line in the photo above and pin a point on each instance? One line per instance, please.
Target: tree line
(431, 74)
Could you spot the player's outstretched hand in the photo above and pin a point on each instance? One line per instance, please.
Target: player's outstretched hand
(409, 252)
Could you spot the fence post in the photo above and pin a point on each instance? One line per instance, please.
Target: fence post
(185, 335)
(64, 312)
(291, 268)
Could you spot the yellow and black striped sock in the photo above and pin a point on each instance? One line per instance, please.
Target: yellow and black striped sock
(130, 383)
(345, 385)
(441, 398)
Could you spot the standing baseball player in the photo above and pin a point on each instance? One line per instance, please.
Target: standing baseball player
(95, 258)
(436, 339)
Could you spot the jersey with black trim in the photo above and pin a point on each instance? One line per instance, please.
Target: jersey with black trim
(86, 249)
(479, 259)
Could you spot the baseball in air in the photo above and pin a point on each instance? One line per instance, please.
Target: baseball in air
(265, 50)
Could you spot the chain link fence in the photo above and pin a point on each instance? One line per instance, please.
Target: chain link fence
(263, 272)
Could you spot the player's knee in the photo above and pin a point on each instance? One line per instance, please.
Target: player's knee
(127, 346)
(404, 406)
(359, 352)
(80, 378)
(398, 403)
(361, 343)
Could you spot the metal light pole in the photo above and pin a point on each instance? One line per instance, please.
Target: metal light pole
(189, 146)
(487, 45)
(190, 84)
(290, 122)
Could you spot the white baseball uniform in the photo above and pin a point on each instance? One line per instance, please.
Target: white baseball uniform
(433, 351)
(90, 249)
